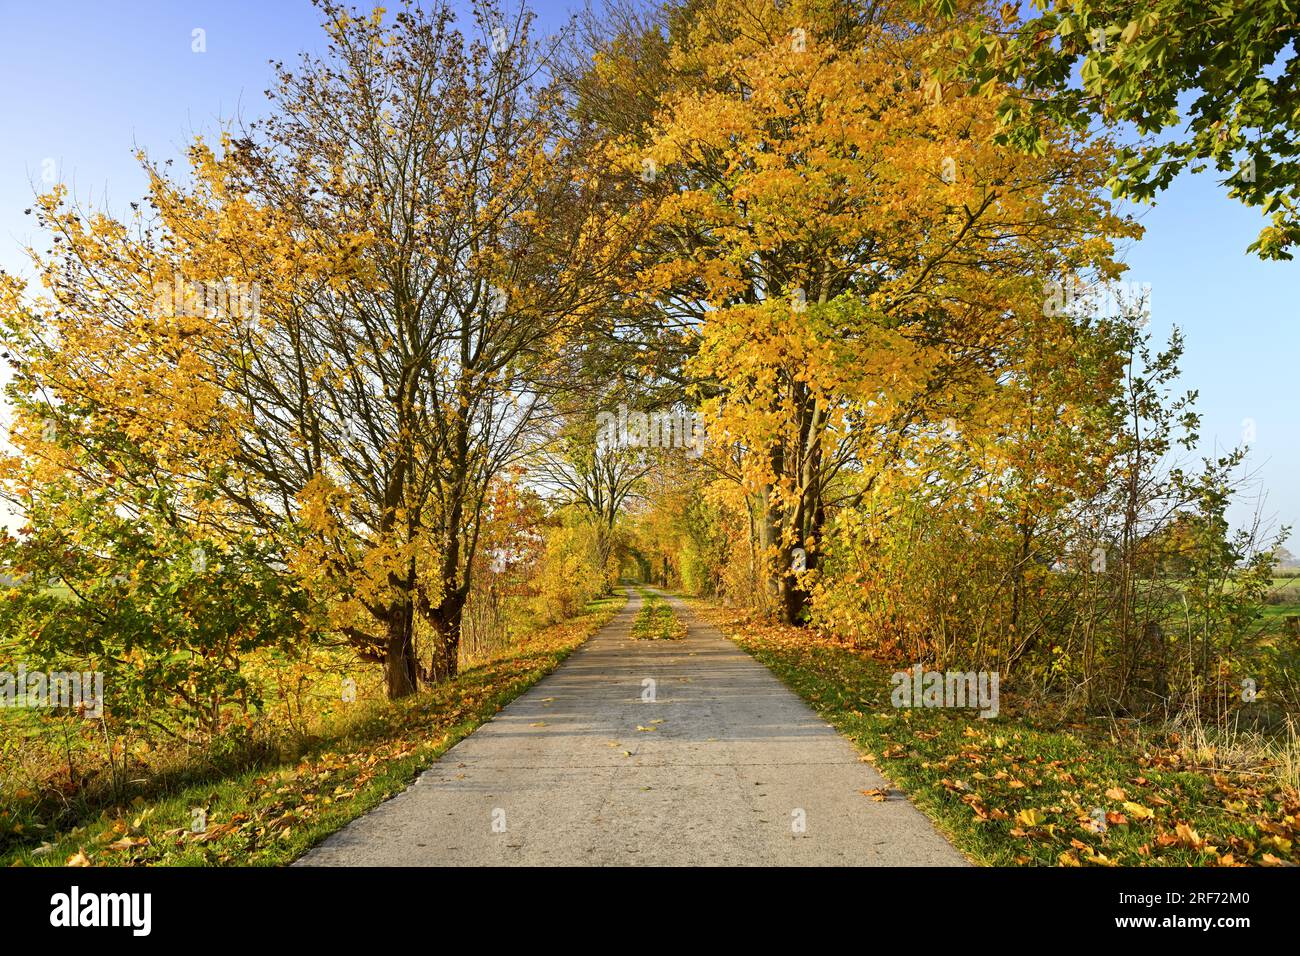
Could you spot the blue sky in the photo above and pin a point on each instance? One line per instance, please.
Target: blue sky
(86, 83)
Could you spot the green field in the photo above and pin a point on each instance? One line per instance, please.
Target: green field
(1283, 600)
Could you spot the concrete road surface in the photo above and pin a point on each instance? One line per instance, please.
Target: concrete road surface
(731, 768)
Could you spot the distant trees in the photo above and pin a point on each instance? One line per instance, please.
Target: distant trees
(595, 476)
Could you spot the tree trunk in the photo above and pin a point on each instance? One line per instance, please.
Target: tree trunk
(798, 599)
(604, 550)
(771, 554)
(400, 671)
(446, 620)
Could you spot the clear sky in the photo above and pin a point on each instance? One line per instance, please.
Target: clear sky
(86, 82)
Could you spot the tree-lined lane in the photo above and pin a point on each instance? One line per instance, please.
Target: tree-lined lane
(680, 752)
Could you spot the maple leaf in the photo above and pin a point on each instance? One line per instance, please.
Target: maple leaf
(1030, 817)
(1188, 837)
(1139, 812)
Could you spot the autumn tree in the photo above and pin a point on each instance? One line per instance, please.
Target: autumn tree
(485, 254)
(596, 475)
(845, 245)
(423, 238)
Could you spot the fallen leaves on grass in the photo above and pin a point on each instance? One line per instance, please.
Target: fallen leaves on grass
(1037, 791)
(267, 810)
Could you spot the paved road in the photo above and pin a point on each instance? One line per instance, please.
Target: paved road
(737, 770)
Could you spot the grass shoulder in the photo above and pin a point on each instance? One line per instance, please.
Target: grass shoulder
(1029, 790)
(270, 814)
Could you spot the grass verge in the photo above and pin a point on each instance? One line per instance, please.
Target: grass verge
(270, 815)
(1022, 790)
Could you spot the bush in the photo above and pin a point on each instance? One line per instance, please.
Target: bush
(568, 577)
(166, 617)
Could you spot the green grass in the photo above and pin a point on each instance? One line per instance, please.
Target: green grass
(1013, 790)
(269, 815)
(1283, 599)
(656, 620)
